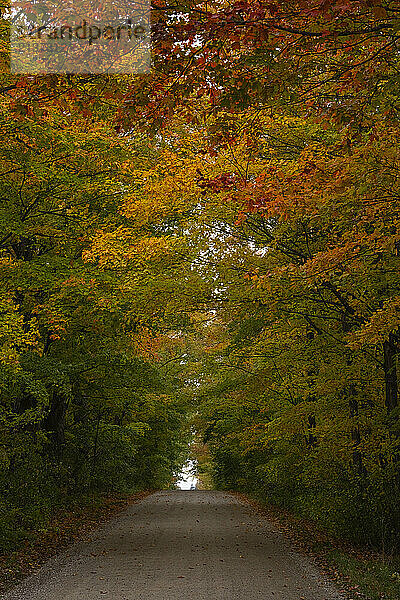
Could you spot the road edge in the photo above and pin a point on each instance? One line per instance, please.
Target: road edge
(304, 539)
(64, 529)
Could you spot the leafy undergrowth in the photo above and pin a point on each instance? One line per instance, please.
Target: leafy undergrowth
(360, 573)
(375, 577)
(68, 525)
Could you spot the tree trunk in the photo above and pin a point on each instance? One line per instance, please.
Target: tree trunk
(311, 440)
(389, 365)
(96, 440)
(355, 432)
(54, 423)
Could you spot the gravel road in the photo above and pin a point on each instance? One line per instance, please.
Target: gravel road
(191, 545)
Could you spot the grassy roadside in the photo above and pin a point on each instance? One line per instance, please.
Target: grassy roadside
(360, 573)
(371, 576)
(66, 526)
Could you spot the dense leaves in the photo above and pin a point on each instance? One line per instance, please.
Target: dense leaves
(220, 239)
(84, 405)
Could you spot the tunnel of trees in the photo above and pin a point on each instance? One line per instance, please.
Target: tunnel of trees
(215, 244)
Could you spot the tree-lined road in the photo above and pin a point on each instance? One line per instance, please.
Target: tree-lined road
(198, 545)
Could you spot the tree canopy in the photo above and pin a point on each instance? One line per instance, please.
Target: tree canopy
(213, 245)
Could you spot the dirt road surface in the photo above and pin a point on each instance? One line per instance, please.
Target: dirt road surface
(186, 545)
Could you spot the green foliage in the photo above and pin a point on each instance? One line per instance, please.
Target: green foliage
(374, 578)
(261, 224)
(85, 405)
(122, 442)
